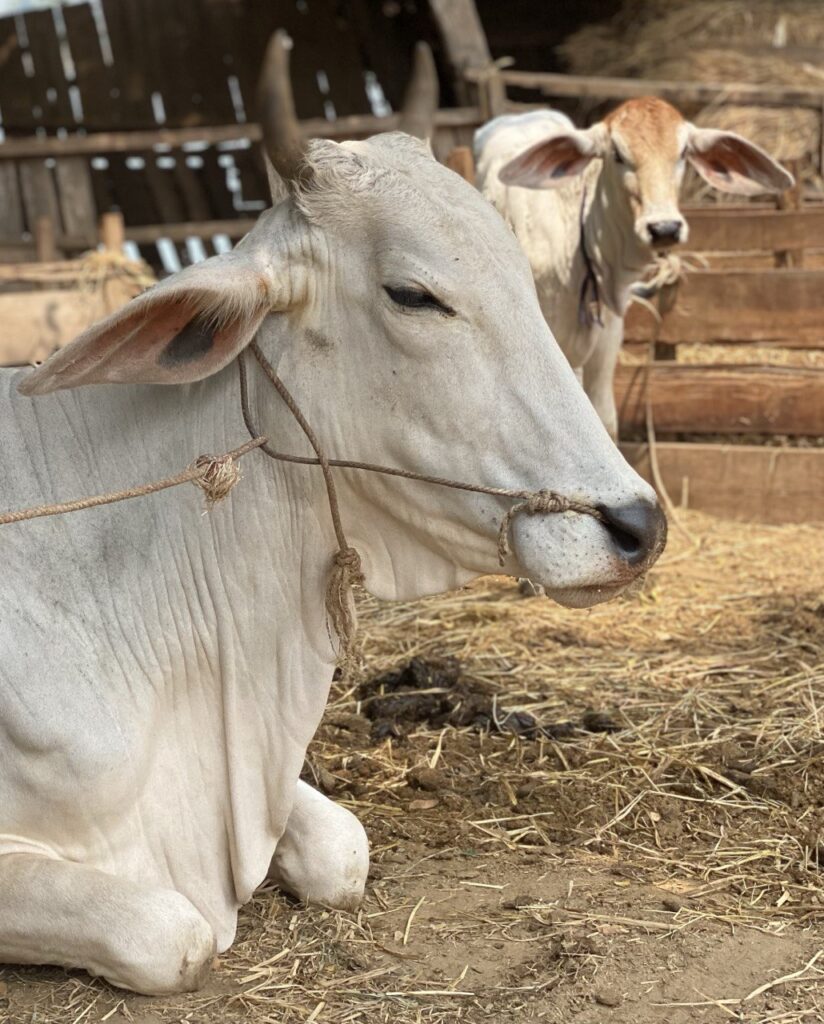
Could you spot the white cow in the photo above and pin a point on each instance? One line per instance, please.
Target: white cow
(591, 240)
(162, 671)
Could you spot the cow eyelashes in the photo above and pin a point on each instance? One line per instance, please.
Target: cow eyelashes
(417, 298)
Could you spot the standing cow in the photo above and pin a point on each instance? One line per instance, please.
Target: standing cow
(162, 671)
(590, 241)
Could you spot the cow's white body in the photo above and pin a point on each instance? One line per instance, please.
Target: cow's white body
(548, 225)
(163, 670)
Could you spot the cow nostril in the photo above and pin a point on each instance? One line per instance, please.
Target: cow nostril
(665, 230)
(637, 531)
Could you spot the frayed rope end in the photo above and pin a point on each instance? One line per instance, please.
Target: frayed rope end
(346, 573)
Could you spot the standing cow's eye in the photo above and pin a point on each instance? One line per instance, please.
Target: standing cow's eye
(617, 156)
(417, 298)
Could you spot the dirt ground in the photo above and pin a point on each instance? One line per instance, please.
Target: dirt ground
(602, 817)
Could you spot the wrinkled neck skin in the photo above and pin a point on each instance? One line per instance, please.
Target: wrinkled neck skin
(618, 256)
(405, 551)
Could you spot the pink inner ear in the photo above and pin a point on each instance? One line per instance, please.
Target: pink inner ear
(545, 164)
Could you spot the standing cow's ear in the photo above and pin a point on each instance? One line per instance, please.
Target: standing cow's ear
(182, 330)
(551, 162)
(731, 163)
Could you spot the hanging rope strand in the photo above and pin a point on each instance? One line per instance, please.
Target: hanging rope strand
(216, 475)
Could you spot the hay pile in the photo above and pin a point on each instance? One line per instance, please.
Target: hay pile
(759, 42)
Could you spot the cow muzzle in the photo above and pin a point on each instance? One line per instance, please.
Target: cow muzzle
(637, 533)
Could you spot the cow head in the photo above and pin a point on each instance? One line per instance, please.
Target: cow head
(645, 145)
(401, 312)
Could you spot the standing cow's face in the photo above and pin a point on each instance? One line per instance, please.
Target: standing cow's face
(645, 145)
(401, 312)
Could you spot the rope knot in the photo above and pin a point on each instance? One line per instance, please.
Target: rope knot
(340, 606)
(536, 503)
(218, 476)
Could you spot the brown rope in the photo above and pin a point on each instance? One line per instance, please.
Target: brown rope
(216, 475)
(346, 566)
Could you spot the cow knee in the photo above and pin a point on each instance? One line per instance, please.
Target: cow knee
(323, 856)
(171, 950)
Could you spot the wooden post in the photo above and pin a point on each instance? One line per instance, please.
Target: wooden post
(461, 161)
(792, 199)
(464, 39)
(112, 232)
(45, 240)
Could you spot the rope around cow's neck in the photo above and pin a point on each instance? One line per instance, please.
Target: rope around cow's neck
(216, 475)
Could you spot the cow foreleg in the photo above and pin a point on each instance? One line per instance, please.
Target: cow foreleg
(152, 941)
(599, 373)
(323, 856)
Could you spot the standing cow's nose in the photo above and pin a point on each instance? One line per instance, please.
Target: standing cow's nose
(637, 531)
(665, 231)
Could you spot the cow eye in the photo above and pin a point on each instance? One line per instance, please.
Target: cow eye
(417, 298)
(617, 155)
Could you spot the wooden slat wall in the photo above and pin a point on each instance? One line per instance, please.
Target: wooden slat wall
(746, 482)
(718, 399)
(188, 64)
(770, 307)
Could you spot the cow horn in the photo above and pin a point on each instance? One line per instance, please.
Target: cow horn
(282, 137)
(420, 100)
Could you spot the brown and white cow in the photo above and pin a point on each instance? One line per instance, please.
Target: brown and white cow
(589, 241)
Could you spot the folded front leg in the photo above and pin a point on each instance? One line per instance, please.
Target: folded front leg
(323, 856)
(152, 941)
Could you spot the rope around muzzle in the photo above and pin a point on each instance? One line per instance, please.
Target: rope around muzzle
(217, 475)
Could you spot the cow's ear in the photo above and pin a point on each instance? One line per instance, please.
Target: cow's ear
(551, 162)
(731, 163)
(182, 330)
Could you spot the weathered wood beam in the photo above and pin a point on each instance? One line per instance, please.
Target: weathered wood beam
(585, 86)
(751, 483)
(760, 230)
(723, 399)
(782, 307)
(136, 141)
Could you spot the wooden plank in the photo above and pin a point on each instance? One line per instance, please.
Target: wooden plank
(585, 86)
(11, 207)
(460, 161)
(466, 47)
(463, 34)
(48, 87)
(76, 197)
(15, 85)
(93, 77)
(782, 307)
(162, 186)
(148, 233)
(355, 126)
(722, 399)
(39, 193)
(195, 198)
(126, 25)
(748, 231)
(750, 483)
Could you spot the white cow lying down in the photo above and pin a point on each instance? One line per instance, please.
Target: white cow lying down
(591, 240)
(162, 671)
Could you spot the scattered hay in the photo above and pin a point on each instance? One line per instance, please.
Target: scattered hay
(667, 864)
